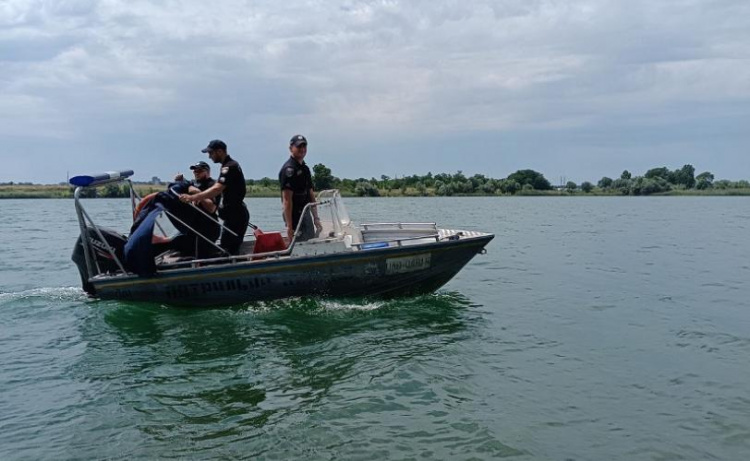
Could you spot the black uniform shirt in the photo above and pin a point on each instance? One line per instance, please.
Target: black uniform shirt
(234, 184)
(296, 177)
(204, 185)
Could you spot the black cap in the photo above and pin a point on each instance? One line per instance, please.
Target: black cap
(200, 166)
(297, 140)
(215, 144)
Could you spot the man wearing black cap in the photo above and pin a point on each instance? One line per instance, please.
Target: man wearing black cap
(202, 181)
(188, 243)
(297, 191)
(231, 186)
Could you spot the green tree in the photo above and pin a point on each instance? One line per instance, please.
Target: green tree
(685, 176)
(703, 184)
(477, 181)
(626, 175)
(647, 186)
(530, 177)
(366, 189)
(509, 186)
(570, 186)
(587, 187)
(446, 190)
(322, 177)
(113, 191)
(385, 180)
(707, 175)
(621, 185)
(605, 183)
(662, 172)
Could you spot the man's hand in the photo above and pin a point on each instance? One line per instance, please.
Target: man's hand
(187, 198)
(318, 226)
(290, 233)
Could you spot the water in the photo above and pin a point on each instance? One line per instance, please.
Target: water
(594, 328)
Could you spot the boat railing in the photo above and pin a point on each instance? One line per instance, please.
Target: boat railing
(390, 226)
(397, 241)
(208, 216)
(85, 181)
(86, 222)
(256, 256)
(228, 259)
(327, 207)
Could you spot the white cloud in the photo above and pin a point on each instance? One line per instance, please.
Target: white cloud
(258, 71)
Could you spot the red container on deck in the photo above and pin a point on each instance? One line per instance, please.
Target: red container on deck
(271, 241)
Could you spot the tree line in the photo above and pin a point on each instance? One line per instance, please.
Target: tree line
(521, 182)
(655, 180)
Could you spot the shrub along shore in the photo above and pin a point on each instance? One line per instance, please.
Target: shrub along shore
(656, 181)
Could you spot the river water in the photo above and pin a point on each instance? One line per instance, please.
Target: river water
(597, 328)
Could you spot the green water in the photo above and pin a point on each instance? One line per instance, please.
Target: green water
(594, 328)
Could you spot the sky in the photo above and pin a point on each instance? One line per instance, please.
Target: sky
(573, 89)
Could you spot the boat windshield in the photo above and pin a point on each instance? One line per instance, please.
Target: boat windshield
(330, 210)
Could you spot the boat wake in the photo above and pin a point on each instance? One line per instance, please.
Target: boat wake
(328, 305)
(45, 293)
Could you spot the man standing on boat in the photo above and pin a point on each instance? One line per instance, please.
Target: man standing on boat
(232, 188)
(297, 191)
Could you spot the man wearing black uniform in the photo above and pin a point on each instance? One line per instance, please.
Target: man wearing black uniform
(188, 243)
(297, 191)
(231, 186)
(202, 181)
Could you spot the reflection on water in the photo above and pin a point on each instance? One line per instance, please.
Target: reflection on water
(212, 375)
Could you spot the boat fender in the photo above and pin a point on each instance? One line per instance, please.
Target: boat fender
(143, 203)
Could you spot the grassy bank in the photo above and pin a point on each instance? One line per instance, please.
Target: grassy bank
(61, 191)
(58, 191)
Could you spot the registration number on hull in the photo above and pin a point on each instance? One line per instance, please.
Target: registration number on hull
(407, 264)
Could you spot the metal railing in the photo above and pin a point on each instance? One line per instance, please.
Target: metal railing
(328, 201)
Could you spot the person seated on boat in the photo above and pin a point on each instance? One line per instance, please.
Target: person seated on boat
(202, 180)
(297, 191)
(232, 188)
(188, 243)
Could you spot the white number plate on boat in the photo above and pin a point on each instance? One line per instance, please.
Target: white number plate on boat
(407, 264)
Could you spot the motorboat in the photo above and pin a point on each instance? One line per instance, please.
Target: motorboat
(340, 259)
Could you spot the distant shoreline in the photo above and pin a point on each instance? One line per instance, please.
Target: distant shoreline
(66, 192)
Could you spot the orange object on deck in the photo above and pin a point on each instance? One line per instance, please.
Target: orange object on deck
(143, 203)
(265, 242)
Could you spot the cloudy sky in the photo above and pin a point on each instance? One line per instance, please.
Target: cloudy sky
(580, 89)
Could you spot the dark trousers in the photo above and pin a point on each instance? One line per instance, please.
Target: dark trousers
(306, 227)
(236, 220)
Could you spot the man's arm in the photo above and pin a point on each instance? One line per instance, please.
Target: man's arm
(207, 204)
(209, 193)
(286, 201)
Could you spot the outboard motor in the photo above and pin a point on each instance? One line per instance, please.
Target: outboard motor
(105, 263)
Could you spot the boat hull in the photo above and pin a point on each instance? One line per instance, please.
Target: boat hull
(382, 273)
